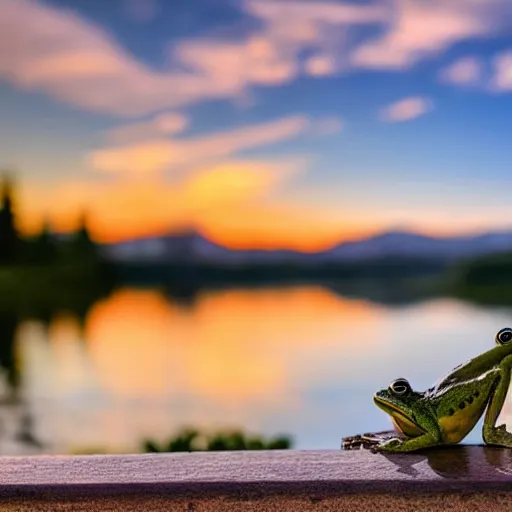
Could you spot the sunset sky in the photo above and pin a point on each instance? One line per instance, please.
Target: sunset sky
(260, 122)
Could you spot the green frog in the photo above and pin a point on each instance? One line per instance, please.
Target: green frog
(448, 411)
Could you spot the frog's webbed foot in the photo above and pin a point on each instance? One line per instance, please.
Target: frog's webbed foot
(398, 444)
(497, 436)
(391, 445)
(368, 440)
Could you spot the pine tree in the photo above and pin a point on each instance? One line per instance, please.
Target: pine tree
(84, 249)
(9, 238)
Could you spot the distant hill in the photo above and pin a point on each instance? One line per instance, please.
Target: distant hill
(192, 247)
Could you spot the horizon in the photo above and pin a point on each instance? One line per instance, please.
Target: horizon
(283, 124)
(341, 241)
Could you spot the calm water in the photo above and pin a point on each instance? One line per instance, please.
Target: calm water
(302, 361)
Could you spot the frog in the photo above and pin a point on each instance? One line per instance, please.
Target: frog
(447, 412)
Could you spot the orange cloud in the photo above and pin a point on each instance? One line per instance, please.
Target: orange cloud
(225, 184)
(153, 156)
(465, 71)
(273, 226)
(406, 109)
(122, 209)
(143, 158)
(246, 212)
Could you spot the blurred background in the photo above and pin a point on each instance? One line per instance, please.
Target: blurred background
(227, 224)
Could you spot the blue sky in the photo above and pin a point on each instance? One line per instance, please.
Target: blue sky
(261, 122)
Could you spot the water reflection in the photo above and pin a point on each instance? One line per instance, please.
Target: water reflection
(300, 360)
(456, 463)
(233, 346)
(8, 362)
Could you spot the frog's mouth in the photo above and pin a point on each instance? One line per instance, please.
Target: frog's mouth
(403, 423)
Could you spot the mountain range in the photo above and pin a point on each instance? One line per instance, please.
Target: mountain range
(192, 247)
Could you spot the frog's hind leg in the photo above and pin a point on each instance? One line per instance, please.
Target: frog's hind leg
(493, 435)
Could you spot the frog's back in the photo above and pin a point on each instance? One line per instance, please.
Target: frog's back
(474, 368)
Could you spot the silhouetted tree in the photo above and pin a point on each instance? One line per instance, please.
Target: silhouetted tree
(88, 266)
(9, 238)
(43, 249)
(84, 249)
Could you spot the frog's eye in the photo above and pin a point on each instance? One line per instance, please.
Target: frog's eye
(504, 336)
(400, 387)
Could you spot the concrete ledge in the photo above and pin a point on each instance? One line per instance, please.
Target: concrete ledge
(262, 480)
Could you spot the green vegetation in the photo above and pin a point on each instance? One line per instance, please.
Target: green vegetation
(95, 450)
(191, 440)
(33, 291)
(42, 274)
(485, 280)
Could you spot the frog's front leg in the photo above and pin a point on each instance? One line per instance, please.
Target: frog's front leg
(493, 435)
(408, 445)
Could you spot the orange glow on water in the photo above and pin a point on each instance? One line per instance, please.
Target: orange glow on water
(206, 350)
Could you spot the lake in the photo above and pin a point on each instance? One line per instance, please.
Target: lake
(300, 360)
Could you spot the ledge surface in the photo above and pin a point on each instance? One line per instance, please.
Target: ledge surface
(256, 475)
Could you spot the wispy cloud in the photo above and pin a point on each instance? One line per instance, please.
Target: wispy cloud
(502, 72)
(406, 109)
(465, 71)
(156, 155)
(58, 52)
(419, 29)
(320, 65)
(271, 55)
(328, 126)
(154, 128)
(47, 49)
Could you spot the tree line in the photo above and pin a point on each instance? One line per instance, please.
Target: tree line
(44, 248)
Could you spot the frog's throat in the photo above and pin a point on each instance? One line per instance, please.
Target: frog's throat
(395, 412)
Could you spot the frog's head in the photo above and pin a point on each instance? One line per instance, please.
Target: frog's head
(401, 403)
(503, 336)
